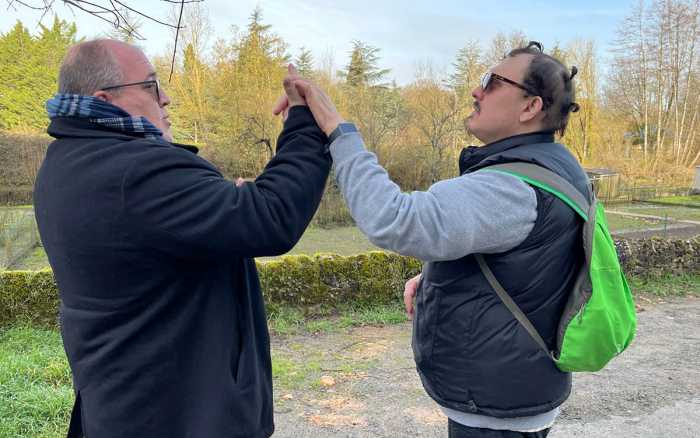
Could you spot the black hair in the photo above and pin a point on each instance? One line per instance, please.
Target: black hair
(553, 82)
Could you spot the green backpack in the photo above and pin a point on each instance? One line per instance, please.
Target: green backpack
(599, 319)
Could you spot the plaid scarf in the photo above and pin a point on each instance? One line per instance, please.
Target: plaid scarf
(102, 113)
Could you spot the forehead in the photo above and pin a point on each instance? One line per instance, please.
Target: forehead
(513, 67)
(134, 64)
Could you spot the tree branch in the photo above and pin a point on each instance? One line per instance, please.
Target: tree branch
(177, 34)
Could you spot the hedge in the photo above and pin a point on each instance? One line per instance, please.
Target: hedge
(28, 297)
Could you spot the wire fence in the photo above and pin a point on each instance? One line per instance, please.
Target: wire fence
(18, 235)
(611, 191)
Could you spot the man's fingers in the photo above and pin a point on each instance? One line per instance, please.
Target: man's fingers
(290, 89)
(280, 105)
(292, 70)
(408, 294)
(303, 87)
(408, 303)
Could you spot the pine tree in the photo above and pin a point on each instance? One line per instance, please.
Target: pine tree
(362, 71)
(468, 69)
(305, 63)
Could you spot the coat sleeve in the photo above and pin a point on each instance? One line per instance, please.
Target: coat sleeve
(180, 203)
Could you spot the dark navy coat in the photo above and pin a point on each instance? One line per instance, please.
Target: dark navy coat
(162, 316)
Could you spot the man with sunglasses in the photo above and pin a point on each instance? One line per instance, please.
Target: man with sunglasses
(162, 317)
(489, 376)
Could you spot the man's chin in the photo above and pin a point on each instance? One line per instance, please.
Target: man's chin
(469, 123)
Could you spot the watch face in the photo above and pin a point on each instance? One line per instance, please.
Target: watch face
(347, 127)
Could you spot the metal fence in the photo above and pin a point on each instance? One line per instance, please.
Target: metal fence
(624, 194)
(18, 235)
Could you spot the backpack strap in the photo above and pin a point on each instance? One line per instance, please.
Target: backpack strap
(511, 305)
(548, 181)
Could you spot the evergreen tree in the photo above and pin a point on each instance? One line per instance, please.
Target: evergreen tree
(362, 71)
(468, 69)
(29, 72)
(305, 63)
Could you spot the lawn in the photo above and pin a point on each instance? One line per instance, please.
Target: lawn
(618, 223)
(342, 240)
(691, 200)
(674, 212)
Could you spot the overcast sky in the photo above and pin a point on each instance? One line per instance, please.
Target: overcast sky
(408, 33)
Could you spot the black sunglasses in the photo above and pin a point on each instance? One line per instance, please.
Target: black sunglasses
(489, 76)
(147, 84)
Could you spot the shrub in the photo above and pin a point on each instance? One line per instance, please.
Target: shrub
(28, 297)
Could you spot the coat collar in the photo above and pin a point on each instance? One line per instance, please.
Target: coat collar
(62, 127)
(473, 155)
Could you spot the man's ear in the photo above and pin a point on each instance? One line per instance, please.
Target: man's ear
(533, 108)
(102, 95)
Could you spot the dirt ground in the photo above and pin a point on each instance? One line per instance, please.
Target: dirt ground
(362, 383)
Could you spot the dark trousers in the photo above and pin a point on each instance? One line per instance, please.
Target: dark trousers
(457, 430)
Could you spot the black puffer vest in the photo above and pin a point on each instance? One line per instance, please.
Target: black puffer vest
(471, 353)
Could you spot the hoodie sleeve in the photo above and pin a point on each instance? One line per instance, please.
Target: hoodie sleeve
(481, 212)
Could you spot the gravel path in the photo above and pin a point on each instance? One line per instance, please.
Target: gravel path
(363, 383)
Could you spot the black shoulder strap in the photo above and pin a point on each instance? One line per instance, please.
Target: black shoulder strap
(510, 304)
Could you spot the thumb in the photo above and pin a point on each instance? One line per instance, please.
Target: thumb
(303, 88)
(291, 91)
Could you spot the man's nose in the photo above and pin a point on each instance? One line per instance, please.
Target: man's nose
(164, 98)
(478, 93)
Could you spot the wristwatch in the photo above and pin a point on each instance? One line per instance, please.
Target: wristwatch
(343, 128)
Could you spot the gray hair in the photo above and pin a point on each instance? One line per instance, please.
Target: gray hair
(88, 67)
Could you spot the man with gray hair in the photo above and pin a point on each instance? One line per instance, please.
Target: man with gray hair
(162, 317)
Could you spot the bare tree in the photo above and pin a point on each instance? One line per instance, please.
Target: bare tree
(122, 17)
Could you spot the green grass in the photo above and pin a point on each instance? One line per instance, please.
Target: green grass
(285, 321)
(35, 384)
(34, 261)
(693, 200)
(666, 286)
(617, 222)
(342, 240)
(675, 212)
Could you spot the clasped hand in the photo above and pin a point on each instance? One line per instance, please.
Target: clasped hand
(300, 91)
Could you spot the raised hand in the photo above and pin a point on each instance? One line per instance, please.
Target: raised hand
(291, 97)
(320, 105)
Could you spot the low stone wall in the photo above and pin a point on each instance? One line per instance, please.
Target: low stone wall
(29, 297)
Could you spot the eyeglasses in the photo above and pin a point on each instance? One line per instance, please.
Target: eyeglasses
(489, 76)
(153, 83)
